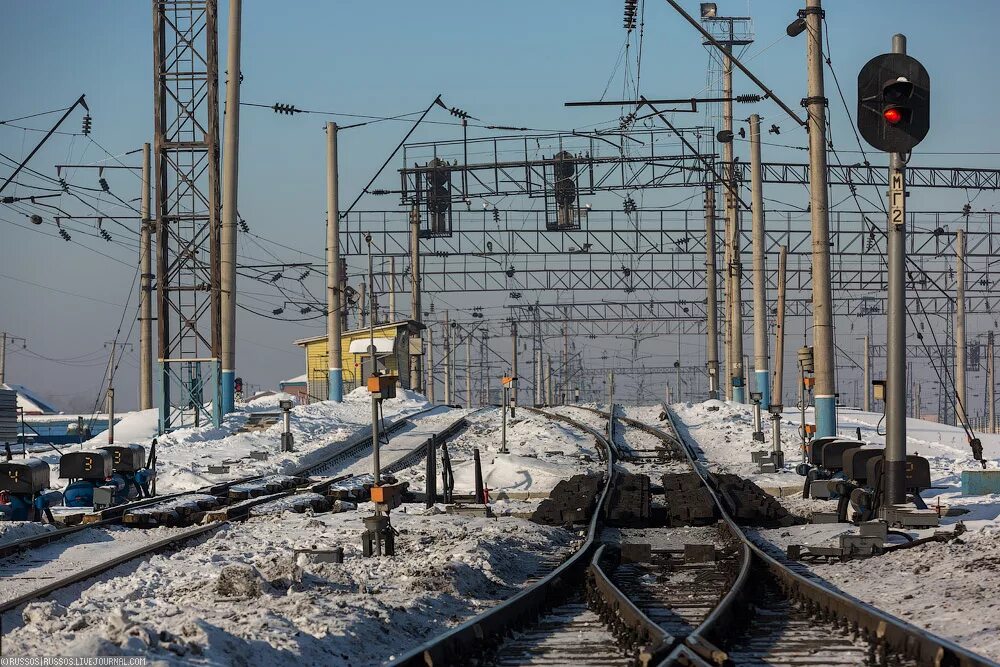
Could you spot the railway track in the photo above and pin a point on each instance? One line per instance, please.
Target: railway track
(38, 565)
(733, 605)
(575, 615)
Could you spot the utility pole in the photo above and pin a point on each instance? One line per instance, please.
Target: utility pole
(392, 289)
(991, 397)
(538, 377)
(362, 306)
(917, 411)
(334, 289)
(779, 329)
(6, 338)
(513, 366)
(447, 360)
(895, 399)
(548, 379)
(823, 347)
(227, 232)
(415, 314)
(961, 395)
(564, 386)
(430, 364)
(867, 380)
(110, 377)
(712, 305)
(734, 314)
(760, 363)
(468, 370)
(145, 289)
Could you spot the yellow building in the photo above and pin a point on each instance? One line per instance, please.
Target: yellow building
(395, 342)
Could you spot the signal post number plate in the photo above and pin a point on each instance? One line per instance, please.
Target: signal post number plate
(897, 199)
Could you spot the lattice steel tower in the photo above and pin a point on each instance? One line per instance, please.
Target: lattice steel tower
(186, 147)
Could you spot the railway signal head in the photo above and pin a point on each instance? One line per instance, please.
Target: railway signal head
(893, 102)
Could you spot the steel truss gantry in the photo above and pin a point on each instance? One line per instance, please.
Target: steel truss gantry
(186, 151)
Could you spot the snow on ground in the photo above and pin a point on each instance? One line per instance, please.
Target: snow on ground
(951, 588)
(12, 531)
(542, 452)
(183, 456)
(243, 595)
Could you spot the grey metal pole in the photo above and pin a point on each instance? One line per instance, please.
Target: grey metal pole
(362, 306)
(145, 290)
(564, 384)
(334, 289)
(3, 356)
(777, 386)
(730, 213)
(895, 399)
(227, 231)
(376, 467)
(548, 379)
(503, 419)
(468, 370)
(111, 415)
(961, 394)
(415, 314)
(867, 380)
(760, 351)
(712, 294)
(823, 347)
(447, 360)
(538, 377)
(431, 380)
(991, 378)
(917, 411)
(392, 289)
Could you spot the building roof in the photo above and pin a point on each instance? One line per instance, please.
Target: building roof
(30, 402)
(377, 327)
(298, 379)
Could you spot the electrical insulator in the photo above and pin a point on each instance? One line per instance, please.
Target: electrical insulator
(103, 182)
(63, 233)
(630, 11)
(287, 109)
(244, 227)
(86, 125)
(105, 235)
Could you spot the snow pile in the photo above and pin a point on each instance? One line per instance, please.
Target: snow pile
(245, 596)
(950, 589)
(542, 452)
(12, 531)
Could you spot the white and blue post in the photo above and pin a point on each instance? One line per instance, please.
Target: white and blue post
(333, 286)
(227, 230)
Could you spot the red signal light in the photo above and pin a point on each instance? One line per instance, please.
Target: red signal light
(892, 115)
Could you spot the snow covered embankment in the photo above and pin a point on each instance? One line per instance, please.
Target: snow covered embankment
(242, 596)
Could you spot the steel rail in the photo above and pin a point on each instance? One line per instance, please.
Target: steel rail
(103, 566)
(468, 638)
(113, 515)
(880, 627)
(656, 643)
(52, 536)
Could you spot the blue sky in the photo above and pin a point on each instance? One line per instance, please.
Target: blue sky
(511, 63)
